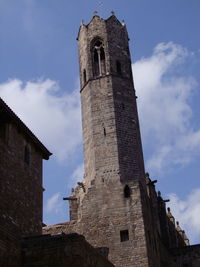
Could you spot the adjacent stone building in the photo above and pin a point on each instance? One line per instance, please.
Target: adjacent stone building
(21, 155)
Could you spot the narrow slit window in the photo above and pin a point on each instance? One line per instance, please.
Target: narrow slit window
(127, 191)
(149, 237)
(124, 235)
(104, 131)
(27, 155)
(2, 130)
(84, 76)
(118, 66)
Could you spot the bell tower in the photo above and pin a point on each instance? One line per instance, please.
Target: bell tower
(111, 132)
(110, 206)
(116, 206)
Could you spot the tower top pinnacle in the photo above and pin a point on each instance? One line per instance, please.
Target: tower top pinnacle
(97, 19)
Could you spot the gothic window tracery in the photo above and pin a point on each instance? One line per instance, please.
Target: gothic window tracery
(98, 58)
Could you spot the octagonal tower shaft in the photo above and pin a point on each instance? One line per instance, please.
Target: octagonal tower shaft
(111, 133)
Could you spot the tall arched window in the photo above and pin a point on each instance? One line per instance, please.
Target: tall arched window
(98, 58)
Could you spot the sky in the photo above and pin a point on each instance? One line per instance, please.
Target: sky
(39, 80)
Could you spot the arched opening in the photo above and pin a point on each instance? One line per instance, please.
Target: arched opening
(98, 58)
(84, 76)
(95, 63)
(103, 62)
(127, 191)
(118, 67)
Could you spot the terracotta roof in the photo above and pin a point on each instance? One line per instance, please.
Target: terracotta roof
(7, 114)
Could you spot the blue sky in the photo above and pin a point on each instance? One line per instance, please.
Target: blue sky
(39, 79)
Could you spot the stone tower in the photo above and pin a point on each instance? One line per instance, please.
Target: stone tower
(109, 206)
(109, 113)
(116, 205)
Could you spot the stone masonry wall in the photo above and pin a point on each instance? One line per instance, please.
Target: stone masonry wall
(21, 192)
(187, 256)
(20, 183)
(105, 213)
(61, 251)
(10, 248)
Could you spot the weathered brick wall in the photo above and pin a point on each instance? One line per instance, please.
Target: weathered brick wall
(129, 145)
(21, 193)
(21, 155)
(61, 251)
(105, 212)
(10, 249)
(20, 183)
(164, 232)
(187, 256)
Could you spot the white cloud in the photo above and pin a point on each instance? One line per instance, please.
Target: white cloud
(77, 174)
(165, 112)
(188, 213)
(54, 119)
(55, 204)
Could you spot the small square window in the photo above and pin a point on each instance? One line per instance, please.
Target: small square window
(124, 236)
